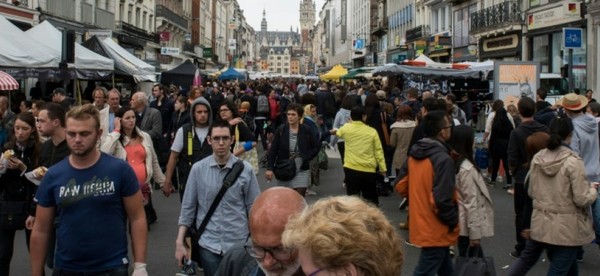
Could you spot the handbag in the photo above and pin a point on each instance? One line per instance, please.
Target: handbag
(475, 266)
(250, 156)
(285, 169)
(323, 159)
(13, 214)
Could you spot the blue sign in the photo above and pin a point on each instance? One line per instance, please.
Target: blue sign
(572, 38)
(359, 43)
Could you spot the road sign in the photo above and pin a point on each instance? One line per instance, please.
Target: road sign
(572, 38)
(169, 51)
(232, 44)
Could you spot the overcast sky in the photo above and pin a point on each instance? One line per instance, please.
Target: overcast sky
(281, 14)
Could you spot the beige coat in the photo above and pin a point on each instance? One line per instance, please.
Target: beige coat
(112, 146)
(476, 213)
(400, 138)
(561, 198)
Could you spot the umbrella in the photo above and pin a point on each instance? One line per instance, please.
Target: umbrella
(7, 82)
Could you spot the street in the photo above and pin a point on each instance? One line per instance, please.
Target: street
(161, 238)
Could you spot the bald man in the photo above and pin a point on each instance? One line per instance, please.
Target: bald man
(263, 253)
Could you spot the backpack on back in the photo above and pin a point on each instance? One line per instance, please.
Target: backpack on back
(262, 105)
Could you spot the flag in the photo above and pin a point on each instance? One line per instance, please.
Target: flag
(197, 78)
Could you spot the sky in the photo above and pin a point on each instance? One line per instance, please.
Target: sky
(281, 14)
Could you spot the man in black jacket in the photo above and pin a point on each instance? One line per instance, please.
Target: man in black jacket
(517, 158)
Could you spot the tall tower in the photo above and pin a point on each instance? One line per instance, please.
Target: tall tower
(263, 23)
(307, 18)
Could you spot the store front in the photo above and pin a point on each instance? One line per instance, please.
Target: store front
(440, 47)
(505, 47)
(416, 41)
(544, 40)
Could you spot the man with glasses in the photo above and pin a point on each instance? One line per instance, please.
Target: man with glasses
(263, 253)
(229, 223)
(427, 179)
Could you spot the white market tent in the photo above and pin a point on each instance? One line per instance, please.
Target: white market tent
(20, 51)
(129, 63)
(88, 64)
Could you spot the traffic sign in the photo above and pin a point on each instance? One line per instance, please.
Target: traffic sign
(572, 38)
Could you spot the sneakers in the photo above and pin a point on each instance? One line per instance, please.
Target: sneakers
(310, 192)
(189, 268)
(451, 251)
(515, 254)
(403, 204)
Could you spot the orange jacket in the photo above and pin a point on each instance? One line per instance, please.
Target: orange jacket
(428, 179)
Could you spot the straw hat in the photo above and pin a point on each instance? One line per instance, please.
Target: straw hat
(573, 101)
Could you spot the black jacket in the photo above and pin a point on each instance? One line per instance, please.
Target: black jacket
(308, 146)
(199, 151)
(16, 187)
(51, 154)
(517, 155)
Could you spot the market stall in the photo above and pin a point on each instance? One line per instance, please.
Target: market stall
(335, 73)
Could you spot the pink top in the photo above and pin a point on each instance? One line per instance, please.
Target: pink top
(136, 157)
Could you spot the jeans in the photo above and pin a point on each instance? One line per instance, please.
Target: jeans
(563, 259)
(210, 261)
(121, 271)
(520, 196)
(596, 217)
(435, 260)
(528, 258)
(7, 243)
(362, 184)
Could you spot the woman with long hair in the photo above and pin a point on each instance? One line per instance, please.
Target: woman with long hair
(498, 127)
(402, 130)
(130, 143)
(20, 155)
(294, 141)
(244, 139)
(562, 196)
(476, 213)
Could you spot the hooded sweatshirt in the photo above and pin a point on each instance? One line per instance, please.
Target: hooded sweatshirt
(428, 180)
(585, 143)
(517, 155)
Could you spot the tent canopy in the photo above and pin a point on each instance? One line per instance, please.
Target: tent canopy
(7, 82)
(125, 63)
(335, 73)
(19, 50)
(182, 75)
(231, 74)
(88, 64)
(394, 69)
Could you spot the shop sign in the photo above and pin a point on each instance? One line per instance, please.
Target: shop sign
(169, 51)
(101, 34)
(501, 43)
(164, 36)
(415, 33)
(565, 13)
(468, 53)
(207, 52)
(440, 40)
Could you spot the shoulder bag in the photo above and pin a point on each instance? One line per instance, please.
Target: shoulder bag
(285, 169)
(228, 181)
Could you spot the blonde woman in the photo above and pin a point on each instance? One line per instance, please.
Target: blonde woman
(344, 235)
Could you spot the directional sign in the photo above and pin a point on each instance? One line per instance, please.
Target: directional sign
(572, 38)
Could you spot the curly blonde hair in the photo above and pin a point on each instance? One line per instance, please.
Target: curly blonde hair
(343, 230)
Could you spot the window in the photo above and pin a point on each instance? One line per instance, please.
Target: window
(137, 17)
(278, 58)
(144, 20)
(129, 15)
(121, 11)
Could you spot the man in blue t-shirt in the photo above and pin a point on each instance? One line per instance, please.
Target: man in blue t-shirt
(92, 204)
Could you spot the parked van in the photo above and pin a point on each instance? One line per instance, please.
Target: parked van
(554, 83)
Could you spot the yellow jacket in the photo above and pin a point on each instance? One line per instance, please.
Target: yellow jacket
(363, 147)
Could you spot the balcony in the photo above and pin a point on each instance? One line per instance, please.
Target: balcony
(382, 27)
(133, 31)
(87, 13)
(167, 14)
(64, 9)
(105, 19)
(506, 13)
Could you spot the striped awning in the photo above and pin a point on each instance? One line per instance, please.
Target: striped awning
(7, 82)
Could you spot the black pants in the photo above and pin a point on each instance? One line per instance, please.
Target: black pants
(260, 131)
(520, 197)
(499, 152)
(7, 242)
(362, 184)
(121, 271)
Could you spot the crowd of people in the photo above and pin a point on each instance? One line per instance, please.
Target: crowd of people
(59, 162)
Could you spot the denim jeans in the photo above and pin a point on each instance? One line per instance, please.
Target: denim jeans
(596, 217)
(210, 261)
(563, 259)
(528, 258)
(120, 271)
(435, 260)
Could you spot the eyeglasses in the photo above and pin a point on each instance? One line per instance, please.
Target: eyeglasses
(220, 139)
(279, 253)
(315, 272)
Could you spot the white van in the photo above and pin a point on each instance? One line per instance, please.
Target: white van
(554, 83)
